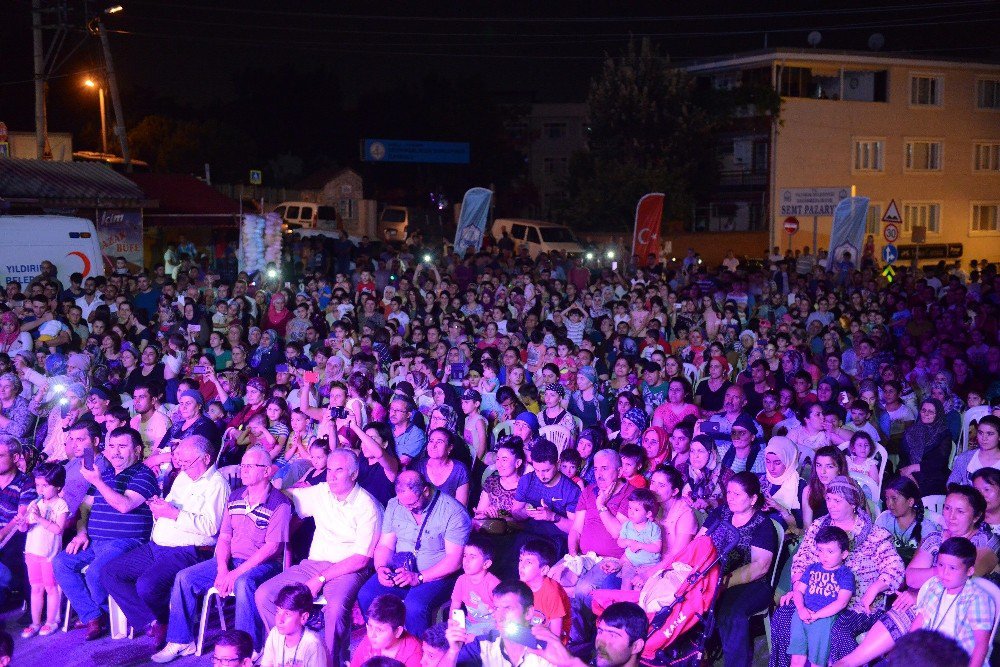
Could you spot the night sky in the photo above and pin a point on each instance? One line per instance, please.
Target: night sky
(186, 53)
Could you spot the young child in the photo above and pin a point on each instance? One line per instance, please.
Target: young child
(640, 536)
(823, 592)
(434, 645)
(46, 519)
(385, 635)
(633, 464)
(319, 450)
(297, 326)
(861, 463)
(551, 602)
(570, 462)
(290, 643)
(953, 605)
(474, 587)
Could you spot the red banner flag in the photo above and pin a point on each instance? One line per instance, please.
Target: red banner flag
(648, 214)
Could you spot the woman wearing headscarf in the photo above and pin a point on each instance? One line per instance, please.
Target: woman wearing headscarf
(926, 449)
(655, 442)
(12, 339)
(278, 315)
(781, 484)
(704, 488)
(952, 404)
(267, 355)
(791, 363)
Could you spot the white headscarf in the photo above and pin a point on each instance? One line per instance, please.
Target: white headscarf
(787, 494)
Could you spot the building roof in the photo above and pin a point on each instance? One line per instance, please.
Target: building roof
(68, 184)
(184, 200)
(768, 56)
(318, 179)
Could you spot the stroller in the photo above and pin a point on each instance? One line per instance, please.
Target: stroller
(683, 612)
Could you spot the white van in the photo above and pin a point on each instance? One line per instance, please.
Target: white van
(27, 240)
(306, 215)
(539, 236)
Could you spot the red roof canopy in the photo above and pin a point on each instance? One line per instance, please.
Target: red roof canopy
(184, 200)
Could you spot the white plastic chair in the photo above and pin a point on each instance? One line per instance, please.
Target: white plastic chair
(933, 504)
(969, 416)
(691, 374)
(994, 593)
(232, 475)
(559, 435)
(502, 429)
(766, 613)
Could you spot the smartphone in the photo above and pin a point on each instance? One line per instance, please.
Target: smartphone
(311, 377)
(88, 459)
(199, 370)
(338, 413)
(614, 266)
(458, 615)
(194, 328)
(521, 634)
(458, 371)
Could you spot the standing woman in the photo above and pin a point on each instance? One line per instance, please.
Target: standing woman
(926, 449)
(745, 582)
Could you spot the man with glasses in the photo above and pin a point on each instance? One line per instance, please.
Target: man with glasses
(410, 440)
(348, 524)
(118, 521)
(248, 553)
(185, 525)
(233, 649)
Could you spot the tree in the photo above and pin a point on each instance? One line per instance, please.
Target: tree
(651, 129)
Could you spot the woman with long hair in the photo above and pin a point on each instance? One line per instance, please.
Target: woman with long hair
(904, 517)
(828, 463)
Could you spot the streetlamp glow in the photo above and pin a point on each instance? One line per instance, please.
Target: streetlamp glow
(90, 83)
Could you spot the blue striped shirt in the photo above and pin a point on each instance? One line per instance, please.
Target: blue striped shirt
(107, 523)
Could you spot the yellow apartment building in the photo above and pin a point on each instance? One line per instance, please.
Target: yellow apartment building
(923, 133)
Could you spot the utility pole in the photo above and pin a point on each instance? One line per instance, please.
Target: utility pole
(41, 129)
(116, 100)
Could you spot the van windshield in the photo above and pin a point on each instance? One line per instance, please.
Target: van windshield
(558, 235)
(394, 215)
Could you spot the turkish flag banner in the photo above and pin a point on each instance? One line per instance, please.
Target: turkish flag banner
(648, 214)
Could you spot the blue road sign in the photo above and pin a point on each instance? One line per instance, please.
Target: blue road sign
(434, 152)
(890, 254)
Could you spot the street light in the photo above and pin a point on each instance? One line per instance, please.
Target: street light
(90, 83)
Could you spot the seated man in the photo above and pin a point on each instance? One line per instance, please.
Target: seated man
(348, 522)
(118, 521)
(185, 525)
(420, 550)
(17, 490)
(254, 529)
(545, 499)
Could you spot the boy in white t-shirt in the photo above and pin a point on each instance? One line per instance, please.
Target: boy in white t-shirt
(290, 643)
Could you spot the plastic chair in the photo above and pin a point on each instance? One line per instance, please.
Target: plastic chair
(691, 374)
(969, 416)
(766, 613)
(502, 429)
(559, 435)
(579, 424)
(934, 504)
(232, 475)
(994, 593)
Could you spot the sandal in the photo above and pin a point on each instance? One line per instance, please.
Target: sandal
(48, 629)
(30, 631)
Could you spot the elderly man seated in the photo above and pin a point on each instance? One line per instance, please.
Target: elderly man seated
(248, 553)
(185, 526)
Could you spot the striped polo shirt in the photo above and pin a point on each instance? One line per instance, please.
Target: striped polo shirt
(107, 523)
(247, 527)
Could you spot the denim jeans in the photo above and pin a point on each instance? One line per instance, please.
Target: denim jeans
(12, 569)
(86, 593)
(193, 582)
(140, 581)
(421, 600)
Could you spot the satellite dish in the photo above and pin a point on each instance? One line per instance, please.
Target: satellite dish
(876, 41)
(814, 38)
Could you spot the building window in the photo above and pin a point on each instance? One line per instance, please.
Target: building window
(923, 156)
(868, 154)
(873, 219)
(922, 214)
(346, 207)
(926, 90)
(986, 156)
(988, 94)
(985, 218)
(554, 130)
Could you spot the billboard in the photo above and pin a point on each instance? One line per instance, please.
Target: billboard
(120, 234)
(430, 152)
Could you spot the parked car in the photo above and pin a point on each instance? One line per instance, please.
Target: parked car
(539, 236)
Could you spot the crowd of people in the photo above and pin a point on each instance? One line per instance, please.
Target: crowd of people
(487, 460)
